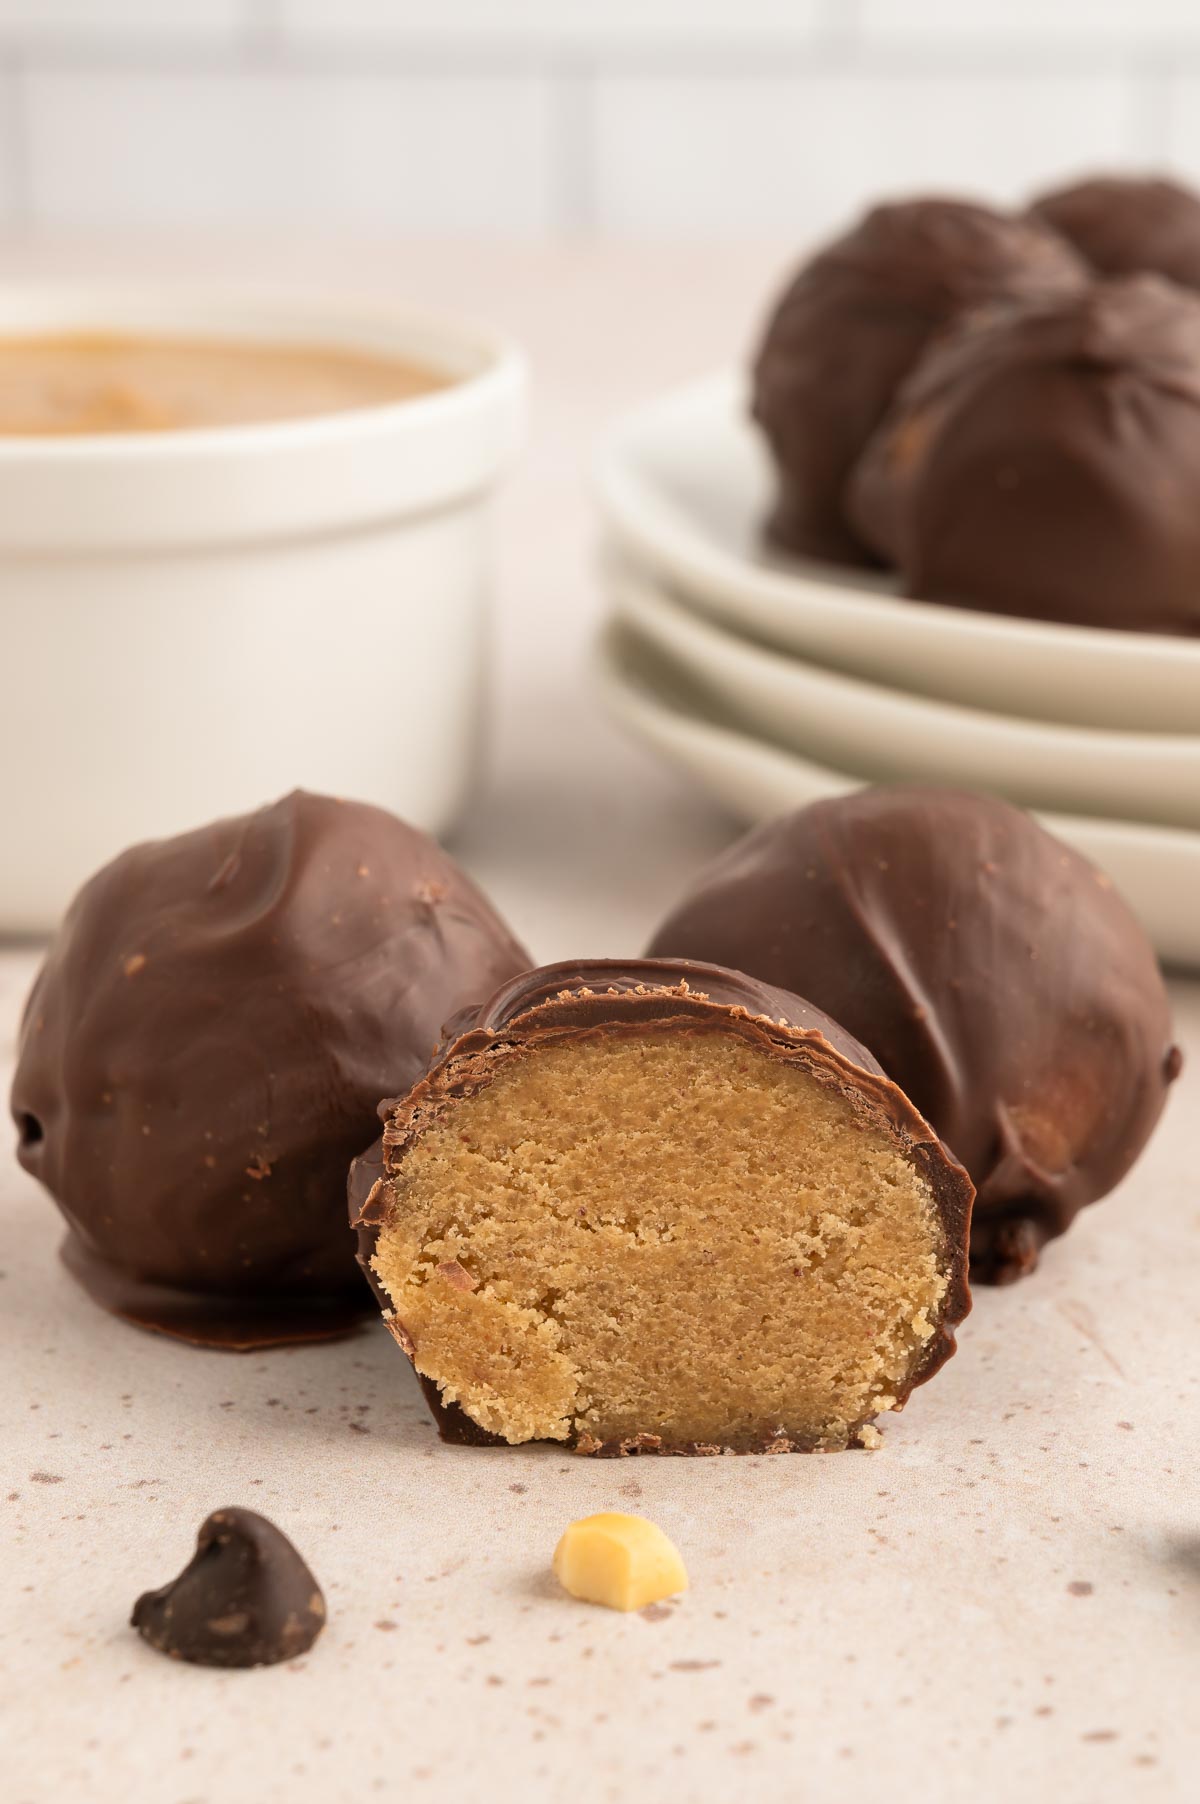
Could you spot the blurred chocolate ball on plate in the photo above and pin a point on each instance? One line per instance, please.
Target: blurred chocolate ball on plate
(1043, 460)
(850, 327)
(1127, 225)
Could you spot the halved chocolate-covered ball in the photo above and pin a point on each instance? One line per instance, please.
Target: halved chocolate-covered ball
(852, 324)
(659, 1207)
(1044, 460)
(996, 975)
(1126, 224)
(205, 1047)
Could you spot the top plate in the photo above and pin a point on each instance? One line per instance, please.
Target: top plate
(684, 485)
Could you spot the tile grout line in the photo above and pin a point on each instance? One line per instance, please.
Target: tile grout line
(263, 26)
(572, 146)
(1154, 114)
(839, 24)
(17, 144)
(264, 42)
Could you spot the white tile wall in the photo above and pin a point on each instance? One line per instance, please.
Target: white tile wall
(1077, 23)
(755, 154)
(579, 24)
(11, 150)
(1184, 103)
(294, 150)
(100, 21)
(685, 117)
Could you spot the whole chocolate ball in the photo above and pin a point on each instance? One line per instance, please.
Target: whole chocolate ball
(1124, 225)
(852, 324)
(207, 1043)
(995, 974)
(1044, 460)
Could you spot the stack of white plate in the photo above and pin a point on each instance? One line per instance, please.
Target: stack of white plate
(776, 682)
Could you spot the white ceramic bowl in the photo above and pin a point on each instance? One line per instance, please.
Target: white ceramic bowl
(684, 486)
(1157, 869)
(194, 622)
(885, 735)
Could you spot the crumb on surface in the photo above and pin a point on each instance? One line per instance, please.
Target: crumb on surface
(624, 1562)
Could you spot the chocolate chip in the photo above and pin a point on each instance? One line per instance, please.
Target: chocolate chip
(246, 1598)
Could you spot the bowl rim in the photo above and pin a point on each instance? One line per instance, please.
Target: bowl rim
(316, 318)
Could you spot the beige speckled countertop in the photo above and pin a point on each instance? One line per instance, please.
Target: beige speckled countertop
(1002, 1603)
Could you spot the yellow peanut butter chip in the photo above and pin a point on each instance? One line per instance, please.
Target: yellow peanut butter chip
(622, 1561)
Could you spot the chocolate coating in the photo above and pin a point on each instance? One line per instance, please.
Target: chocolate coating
(1126, 225)
(1044, 460)
(245, 1598)
(853, 323)
(453, 1424)
(205, 1048)
(997, 976)
(581, 998)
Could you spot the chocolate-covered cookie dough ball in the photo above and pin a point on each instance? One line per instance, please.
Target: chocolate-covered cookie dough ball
(996, 975)
(1044, 460)
(1124, 225)
(206, 1046)
(852, 324)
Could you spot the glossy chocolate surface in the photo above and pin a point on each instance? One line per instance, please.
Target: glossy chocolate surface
(852, 324)
(1044, 460)
(996, 975)
(246, 1598)
(206, 1045)
(1125, 225)
(580, 999)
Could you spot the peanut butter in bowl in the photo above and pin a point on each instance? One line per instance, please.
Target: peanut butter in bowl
(81, 383)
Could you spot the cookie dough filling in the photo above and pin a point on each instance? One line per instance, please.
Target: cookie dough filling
(691, 1234)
